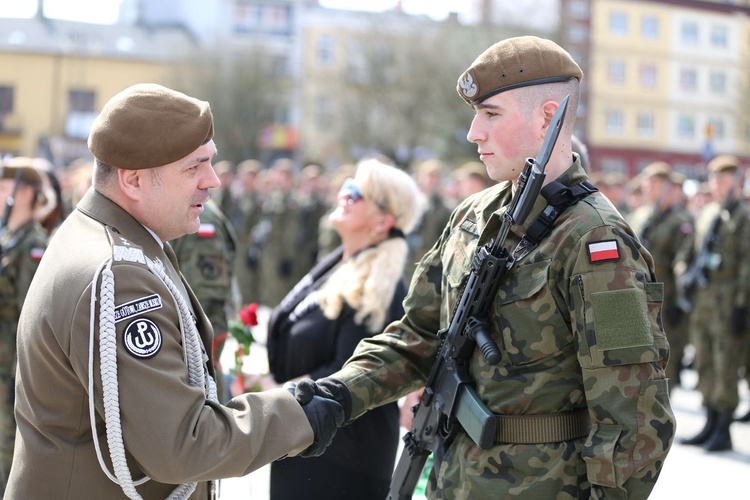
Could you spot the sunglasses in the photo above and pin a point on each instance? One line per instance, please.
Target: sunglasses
(350, 191)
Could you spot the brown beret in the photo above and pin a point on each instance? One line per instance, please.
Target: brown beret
(27, 168)
(657, 169)
(516, 62)
(148, 125)
(722, 163)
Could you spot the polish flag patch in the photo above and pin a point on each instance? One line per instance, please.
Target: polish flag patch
(36, 254)
(602, 251)
(206, 231)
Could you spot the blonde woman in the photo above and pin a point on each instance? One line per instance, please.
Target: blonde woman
(352, 293)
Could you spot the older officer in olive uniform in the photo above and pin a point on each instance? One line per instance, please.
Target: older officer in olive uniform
(718, 322)
(206, 260)
(577, 320)
(665, 228)
(115, 392)
(22, 244)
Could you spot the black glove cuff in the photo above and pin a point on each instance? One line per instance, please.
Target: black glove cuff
(338, 391)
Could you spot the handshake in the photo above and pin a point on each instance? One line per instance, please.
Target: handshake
(327, 405)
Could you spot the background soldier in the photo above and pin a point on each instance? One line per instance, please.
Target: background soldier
(434, 214)
(244, 216)
(22, 244)
(718, 321)
(206, 261)
(666, 231)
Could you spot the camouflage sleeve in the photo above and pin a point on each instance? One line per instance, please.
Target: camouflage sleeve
(28, 262)
(616, 320)
(398, 361)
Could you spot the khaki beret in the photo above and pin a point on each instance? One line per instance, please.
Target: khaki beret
(249, 167)
(657, 169)
(722, 163)
(516, 62)
(677, 178)
(27, 168)
(148, 125)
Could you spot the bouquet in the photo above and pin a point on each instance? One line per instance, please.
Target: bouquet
(240, 330)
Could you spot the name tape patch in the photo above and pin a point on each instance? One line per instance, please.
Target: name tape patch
(137, 306)
(602, 251)
(142, 338)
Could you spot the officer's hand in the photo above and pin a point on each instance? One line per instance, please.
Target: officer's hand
(739, 321)
(326, 388)
(325, 416)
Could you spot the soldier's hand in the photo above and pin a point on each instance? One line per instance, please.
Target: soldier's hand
(326, 388)
(739, 321)
(325, 416)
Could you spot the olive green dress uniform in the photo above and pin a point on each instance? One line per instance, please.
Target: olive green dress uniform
(244, 217)
(173, 431)
(206, 260)
(578, 328)
(22, 250)
(668, 237)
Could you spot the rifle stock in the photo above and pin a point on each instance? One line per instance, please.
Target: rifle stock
(449, 398)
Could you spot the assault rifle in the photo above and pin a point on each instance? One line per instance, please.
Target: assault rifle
(449, 398)
(696, 275)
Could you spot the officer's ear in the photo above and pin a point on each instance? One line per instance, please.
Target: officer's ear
(130, 182)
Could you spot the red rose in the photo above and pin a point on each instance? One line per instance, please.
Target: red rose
(249, 314)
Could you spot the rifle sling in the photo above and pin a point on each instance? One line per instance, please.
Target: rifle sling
(559, 197)
(544, 428)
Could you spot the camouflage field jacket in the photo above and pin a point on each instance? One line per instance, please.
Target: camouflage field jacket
(578, 322)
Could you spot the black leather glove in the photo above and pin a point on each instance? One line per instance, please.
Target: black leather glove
(326, 388)
(325, 416)
(739, 321)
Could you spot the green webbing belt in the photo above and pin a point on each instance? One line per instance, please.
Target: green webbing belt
(544, 428)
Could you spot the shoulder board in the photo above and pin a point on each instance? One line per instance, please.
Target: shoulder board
(123, 250)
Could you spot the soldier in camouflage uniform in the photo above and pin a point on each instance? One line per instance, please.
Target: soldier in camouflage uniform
(244, 216)
(22, 244)
(206, 261)
(577, 320)
(718, 322)
(665, 228)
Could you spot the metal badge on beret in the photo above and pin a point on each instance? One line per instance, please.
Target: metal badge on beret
(148, 125)
(516, 62)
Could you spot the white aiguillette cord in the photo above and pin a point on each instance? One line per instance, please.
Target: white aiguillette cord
(194, 358)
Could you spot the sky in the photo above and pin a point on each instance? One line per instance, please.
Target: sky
(105, 11)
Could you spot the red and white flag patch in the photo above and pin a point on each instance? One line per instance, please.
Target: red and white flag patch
(602, 251)
(206, 231)
(36, 254)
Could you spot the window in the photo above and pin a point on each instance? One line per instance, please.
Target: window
(649, 27)
(689, 33)
(688, 79)
(616, 71)
(325, 50)
(646, 124)
(615, 122)
(618, 23)
(81, 113)
(686, 127)
(715, 129)
(718, 82)
(648, 75)
(578, 9)
(6, 100)
(719, 37)
(81, 100)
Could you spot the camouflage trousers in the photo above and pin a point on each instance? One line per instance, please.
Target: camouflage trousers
(719, 354)
(7, 428)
